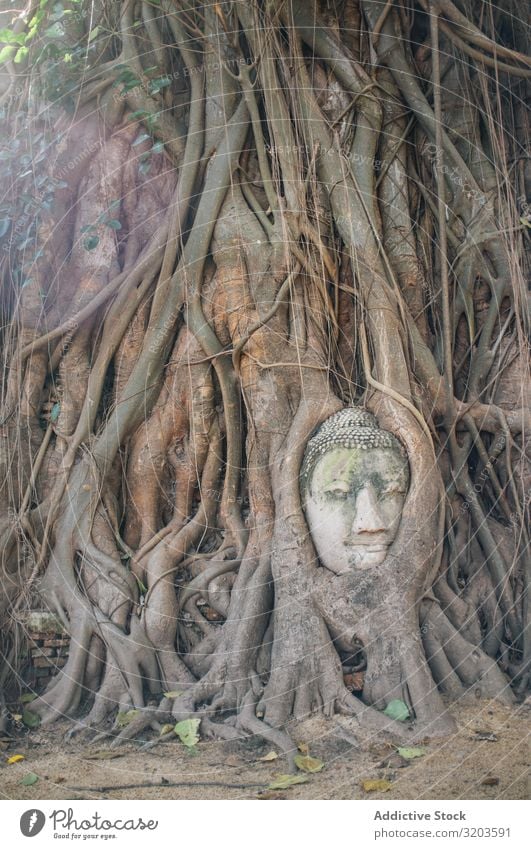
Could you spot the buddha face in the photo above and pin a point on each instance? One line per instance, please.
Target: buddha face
(353, 503)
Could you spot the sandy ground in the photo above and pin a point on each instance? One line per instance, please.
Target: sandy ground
(487, 758)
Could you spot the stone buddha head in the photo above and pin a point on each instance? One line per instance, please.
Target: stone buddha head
(354, 481)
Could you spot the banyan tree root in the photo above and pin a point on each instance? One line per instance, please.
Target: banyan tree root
(271, 214)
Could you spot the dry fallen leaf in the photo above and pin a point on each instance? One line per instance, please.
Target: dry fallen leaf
(409, 753)
(14, 759)
(303, 748)
(308, 764)
(490, 781)
(123, 718)
(371, 785)
(271, 756)
(283, 781)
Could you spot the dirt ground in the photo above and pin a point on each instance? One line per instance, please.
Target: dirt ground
(487, 758)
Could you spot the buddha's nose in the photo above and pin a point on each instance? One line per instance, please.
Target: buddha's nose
(367, 516)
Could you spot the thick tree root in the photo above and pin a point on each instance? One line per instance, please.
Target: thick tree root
(460, 669)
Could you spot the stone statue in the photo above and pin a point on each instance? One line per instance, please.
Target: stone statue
(354, 480)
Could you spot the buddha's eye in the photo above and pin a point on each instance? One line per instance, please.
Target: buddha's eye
(337, 494)
(392, 491)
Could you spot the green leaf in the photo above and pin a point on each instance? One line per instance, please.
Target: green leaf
(282, 782)
(21, 54)
(27, 697)
(4, 226)
(29, 779)
(409, 753)
(11, 37)
(157, 84)
(114, 224)
(91, 243)
(54, 412)
(127, 77)
(7, 53)
(157, 148)
(93, 34)
(31, 720)
(397, 709)
(187, 731)
(173, 694)
(308, 764)
(123, 718)
(142, 587)
(140, 113)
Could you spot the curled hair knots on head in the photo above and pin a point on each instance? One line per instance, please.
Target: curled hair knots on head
(352, 427)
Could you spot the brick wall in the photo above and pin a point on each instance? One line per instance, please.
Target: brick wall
(46, 648)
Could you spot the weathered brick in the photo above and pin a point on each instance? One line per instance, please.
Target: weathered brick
(59, 661)
(42, 652)
(57, 641)
(42, 621)
(354, 681)
(42, 662)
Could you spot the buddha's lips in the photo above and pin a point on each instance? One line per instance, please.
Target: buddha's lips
(368, 546)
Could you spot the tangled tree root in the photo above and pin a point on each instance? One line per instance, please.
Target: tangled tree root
(223, 267)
